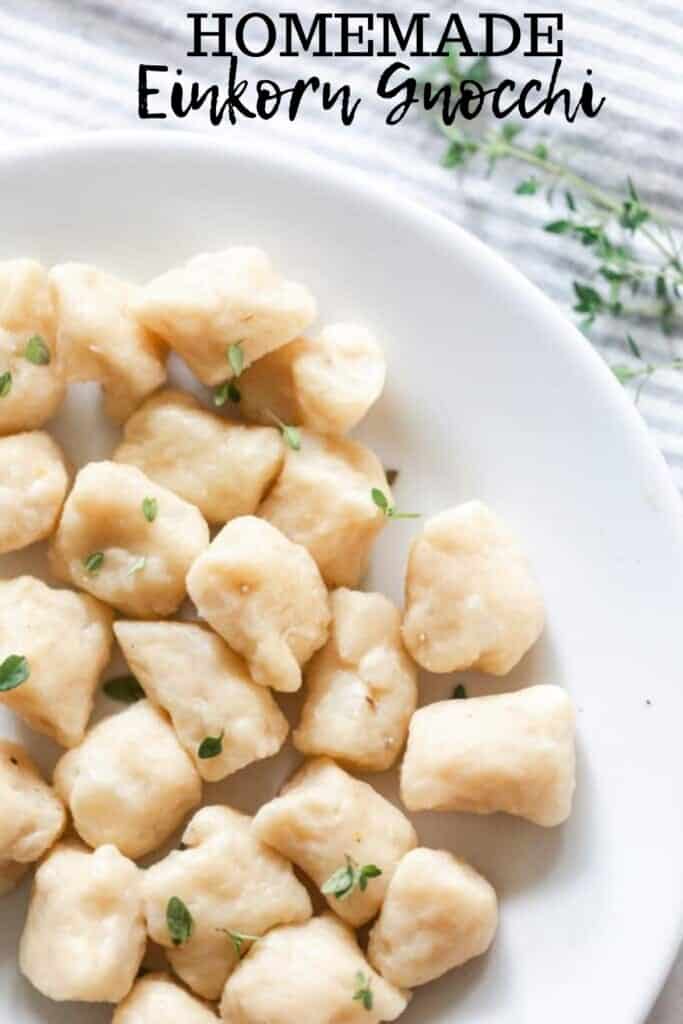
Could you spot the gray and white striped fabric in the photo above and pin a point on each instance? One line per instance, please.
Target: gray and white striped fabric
(70, 65)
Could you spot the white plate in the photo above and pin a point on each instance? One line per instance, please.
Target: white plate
(491, 394)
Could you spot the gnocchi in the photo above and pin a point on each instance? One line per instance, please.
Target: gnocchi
(32, 381)
(84, 937)
(32, 489)
(109, 545)
(194, 676)
(511, 752)
(66, 639)
(100, 339)
(323, 500)
(265, 596)
(361, 688)
(438, 913)
(326, 383)
(471, 600)
(156, 997)
(316, 968)
(334, 826)
(129, 783)
(219, 299)
(32, 818)
(223, 468)
(233, 887)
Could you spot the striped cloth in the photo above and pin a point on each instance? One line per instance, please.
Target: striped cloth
(69, 65)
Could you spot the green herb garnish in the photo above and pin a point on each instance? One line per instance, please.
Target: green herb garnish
(382, 502)
(637, 258)
(179, 921)
(291, 435)
(460, 693)
(150, 507)
(236, 358)
(14, 671)
(125, 689)
(238, 940)
(223, 392)
(5, 384)
(138, 565)
(345, 879)
(211, 746)
(93, 563)
(37, 351)
(363, 993)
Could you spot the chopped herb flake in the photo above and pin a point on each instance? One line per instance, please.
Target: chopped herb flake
(93, 563)
(179, 921)
(14, 671)
(150, 507)
(37, 351)
(125, 689)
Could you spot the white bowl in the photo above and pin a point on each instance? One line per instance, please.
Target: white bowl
(491, 394)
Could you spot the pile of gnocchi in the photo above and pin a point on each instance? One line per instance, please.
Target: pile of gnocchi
(224, 556)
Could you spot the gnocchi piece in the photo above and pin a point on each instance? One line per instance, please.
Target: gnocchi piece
(511, 752)
(233, 887)
(32, 385)
(32, 818)
(193, 675)
(361, 688)
(323, 500)
(108, 543)
(101, 340)
(313, 972)
(265, 596)
(438, 913)
(220, 299)
(32, 489)
(223, 468)
(155, 998)
(471, 601)
(129, 783)
(66, 639)
(84, 936)
(326, 821)
(11, 874)
(326, 383)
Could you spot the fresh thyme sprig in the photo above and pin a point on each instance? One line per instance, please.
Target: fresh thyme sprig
(636, 252)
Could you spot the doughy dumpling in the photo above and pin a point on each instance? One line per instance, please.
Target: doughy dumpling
(230, 883)
(471, 601)
(129, 782)
(263, 594)
(511, 752)
(326, 383)
(32, 384)
(106, 544)
(323, 500)
(66, 639)
(33, 485)
(361, 688)
(325, 818)
(193, 675)
(311, 973)
(437, 914)
(32, 818)
(156, 999)
(223, 468)
(84, 936)
(219, 299)
(100, 340)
